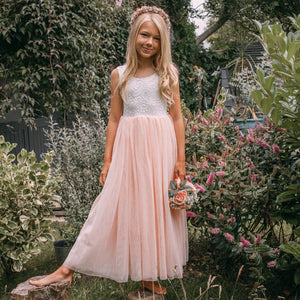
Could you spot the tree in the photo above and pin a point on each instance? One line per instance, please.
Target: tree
(56, 56)
(244, 10)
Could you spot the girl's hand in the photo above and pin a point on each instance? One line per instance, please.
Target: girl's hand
(104, 172)
(179, 170)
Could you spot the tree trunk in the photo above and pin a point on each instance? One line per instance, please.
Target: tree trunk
(202, 37)
(55, 291)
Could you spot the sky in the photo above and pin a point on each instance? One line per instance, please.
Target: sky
(199, 22)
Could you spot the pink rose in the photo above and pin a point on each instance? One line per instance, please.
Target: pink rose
(180, 198)
(271, 264)
(221, 216)
(198, 164)
(199, 187)
(214, 230)
(241, 245)
(258, 239)
(190, 214)
(254, 176)
(210, 179)
(275, 148)
(211, 120)
(228, 237)
(220, 173)
(211, 215)
(195, 127)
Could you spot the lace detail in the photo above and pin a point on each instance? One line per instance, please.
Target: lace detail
(142, 96)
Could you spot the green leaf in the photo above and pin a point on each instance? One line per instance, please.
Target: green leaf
(12, 225)
(17, 266)
(257, 96)
(292, 248)
(23, 218)
(173, 185)
(266, 105)
(297, 276)
(293, 47)
(275, 115)
(268, 83)
(260, 76)
(297, 231)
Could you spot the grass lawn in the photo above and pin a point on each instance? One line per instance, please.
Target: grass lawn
(92, 288)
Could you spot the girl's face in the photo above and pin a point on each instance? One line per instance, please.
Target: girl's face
(147, 42)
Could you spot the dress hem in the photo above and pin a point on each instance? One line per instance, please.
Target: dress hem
(102, 275)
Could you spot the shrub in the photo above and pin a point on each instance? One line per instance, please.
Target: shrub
(79, 154)
(27, 193)
(57, 55)
(281, 103)
(241, 173)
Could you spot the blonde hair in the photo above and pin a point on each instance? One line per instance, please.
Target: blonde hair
(167, 72)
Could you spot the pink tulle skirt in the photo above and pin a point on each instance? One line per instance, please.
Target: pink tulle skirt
(131, 232)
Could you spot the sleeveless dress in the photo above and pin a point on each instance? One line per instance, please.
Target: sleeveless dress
(131, 232)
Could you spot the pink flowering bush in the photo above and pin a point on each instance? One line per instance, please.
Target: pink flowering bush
(241, 172)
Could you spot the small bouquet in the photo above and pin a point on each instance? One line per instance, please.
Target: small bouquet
(182, 195)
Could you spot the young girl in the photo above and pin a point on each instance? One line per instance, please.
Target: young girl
(131, 232)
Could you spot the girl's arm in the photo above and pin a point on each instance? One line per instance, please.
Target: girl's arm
(175, 113)
(114, 117)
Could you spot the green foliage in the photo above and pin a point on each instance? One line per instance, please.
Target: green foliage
(279, 96)
(241, 173)
(27, 195)
(79, 154)
(57, 56)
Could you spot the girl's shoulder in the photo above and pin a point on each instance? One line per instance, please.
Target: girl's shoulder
(121, 70)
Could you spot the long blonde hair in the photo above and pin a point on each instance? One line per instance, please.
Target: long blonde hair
(167, 72)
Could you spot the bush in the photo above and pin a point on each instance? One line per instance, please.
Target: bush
(240, 173)
(79, 154)
(27, 194)
(57, 55)
(278, 97)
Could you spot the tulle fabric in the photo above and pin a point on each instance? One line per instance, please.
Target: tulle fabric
(131, 232)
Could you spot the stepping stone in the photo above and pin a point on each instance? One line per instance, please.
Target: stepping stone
(55, 291)
(143, 294)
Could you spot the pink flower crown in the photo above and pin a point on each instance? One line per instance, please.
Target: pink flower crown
(153, 10)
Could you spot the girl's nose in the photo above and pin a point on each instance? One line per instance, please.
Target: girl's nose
(150, 41)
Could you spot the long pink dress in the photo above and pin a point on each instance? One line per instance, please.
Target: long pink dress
(131, 232)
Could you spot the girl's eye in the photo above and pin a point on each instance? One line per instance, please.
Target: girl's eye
(143, 34)
(158, 39)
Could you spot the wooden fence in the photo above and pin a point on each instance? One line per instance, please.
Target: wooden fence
(25, 137)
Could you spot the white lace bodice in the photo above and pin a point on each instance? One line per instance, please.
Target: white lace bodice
(142, 96)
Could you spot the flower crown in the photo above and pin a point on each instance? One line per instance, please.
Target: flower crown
(153, 10)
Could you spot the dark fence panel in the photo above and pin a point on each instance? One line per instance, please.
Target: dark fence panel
(25, 137)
